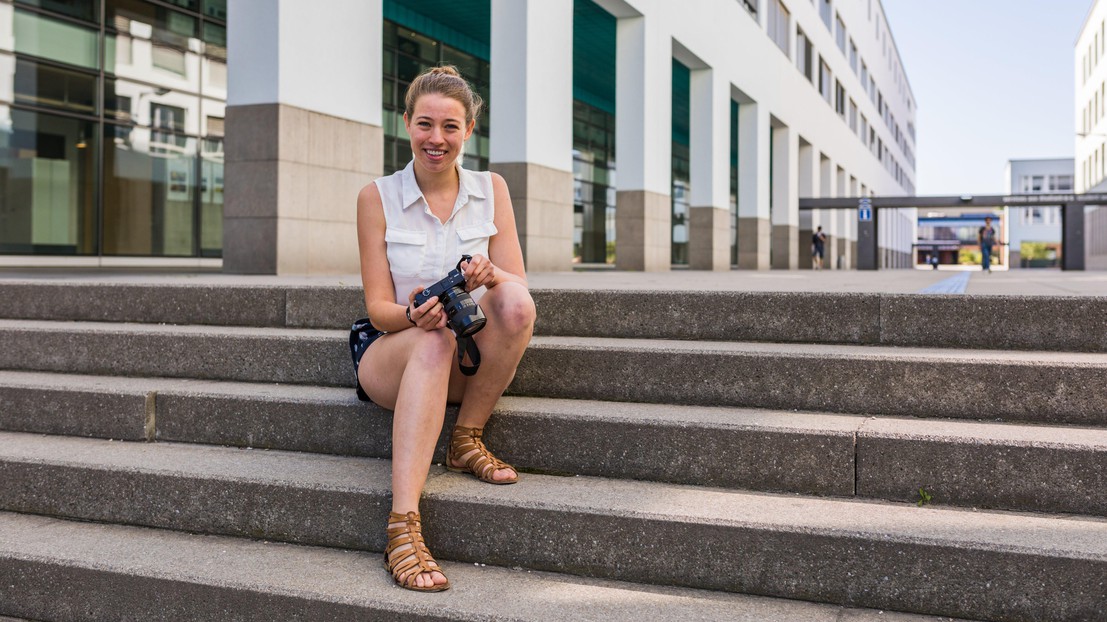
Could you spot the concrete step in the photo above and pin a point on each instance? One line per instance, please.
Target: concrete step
(56, 569)
(990, 322)
(1041, 387)
(973, 564)
(1007, 466)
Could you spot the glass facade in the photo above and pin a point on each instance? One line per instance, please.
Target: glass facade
(111, 127)
(593, 184)
(681, 193)
(406, 54)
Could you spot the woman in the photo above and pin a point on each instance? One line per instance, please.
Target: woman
(413, 227)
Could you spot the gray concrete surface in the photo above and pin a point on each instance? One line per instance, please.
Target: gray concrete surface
(1075, 323)
(1012, 283)
(1044, 387)
(998, 465)
(81, 571)
(841, 552)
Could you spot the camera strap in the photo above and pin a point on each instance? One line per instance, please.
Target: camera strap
(466, 345)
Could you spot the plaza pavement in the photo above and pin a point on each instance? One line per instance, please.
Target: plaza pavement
(1037, 282)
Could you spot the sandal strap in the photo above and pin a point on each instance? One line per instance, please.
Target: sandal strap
(481, 462)
(406, 565)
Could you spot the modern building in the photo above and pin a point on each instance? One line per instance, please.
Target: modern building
(1034, 233)
(642, 133)
(1090, 73)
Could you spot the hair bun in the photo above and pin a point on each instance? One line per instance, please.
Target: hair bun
(448, 70)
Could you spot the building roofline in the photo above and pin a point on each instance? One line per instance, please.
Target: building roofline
(880, 5)
(1039, 159)
(1084, 24)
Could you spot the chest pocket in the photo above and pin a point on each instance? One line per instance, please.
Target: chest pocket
(473, 239)
(405, 250)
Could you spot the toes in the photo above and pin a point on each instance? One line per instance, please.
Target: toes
(503, 475)
(438, 578)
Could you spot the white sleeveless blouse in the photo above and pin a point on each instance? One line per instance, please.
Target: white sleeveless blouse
(422, 249)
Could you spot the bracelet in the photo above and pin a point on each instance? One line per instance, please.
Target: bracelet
(407, 312)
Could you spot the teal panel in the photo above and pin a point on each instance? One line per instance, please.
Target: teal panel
(682, 106)
(593, 55)
(465, 25)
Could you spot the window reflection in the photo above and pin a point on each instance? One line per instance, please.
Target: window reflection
(149, 180)
(47, 185)
(158, 106)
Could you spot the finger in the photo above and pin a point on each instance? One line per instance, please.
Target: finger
(425, 308)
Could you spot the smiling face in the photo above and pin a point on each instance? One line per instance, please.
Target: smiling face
(438, 131)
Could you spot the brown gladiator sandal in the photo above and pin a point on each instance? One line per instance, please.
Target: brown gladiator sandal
(408, 564)
(481, 463)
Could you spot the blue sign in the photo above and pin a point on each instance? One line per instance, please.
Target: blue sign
(864, 214)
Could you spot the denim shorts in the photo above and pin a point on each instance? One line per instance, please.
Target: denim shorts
(362, 335)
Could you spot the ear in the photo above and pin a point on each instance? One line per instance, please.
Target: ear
(407, 124)
(468, 130)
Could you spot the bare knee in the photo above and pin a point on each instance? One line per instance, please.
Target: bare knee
(513, 307)
(433, 348)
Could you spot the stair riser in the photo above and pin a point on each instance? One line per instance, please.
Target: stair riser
(960, 472)
(320, 361)
(61, 410)
(1047, 393)
(45, 591)
(302, 515)
(1045, 479)
(991, 322)
(837, 568)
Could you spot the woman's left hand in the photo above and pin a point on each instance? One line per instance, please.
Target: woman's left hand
(478, 271)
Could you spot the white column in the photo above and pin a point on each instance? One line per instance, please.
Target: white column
(785, 209)
(531, 129)
(754, 228)
(643, 144)
(303, 132)
(709, 203)
(808, 183)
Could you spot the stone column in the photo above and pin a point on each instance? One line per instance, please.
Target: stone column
(532, 123)
(709, 213)
(643, 144)
(808, 220)
(754, 228)
(303, 133)
(785, 210)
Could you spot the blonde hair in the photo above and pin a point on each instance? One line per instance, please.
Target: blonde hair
(445, 81)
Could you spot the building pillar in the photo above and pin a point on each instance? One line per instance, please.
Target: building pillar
(531, 142)
(754, 228)
(643, 144)
(785, 210)
(709, 205)
(809, 220)
(303, 137)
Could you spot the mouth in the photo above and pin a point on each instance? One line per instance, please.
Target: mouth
(435, 154)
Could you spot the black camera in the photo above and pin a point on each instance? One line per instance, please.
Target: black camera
(463, 315)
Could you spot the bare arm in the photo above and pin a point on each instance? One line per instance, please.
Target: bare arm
(505, 256)
(376, 277)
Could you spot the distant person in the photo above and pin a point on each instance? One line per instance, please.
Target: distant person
(986, 237)
(818, 248)
(933, 261)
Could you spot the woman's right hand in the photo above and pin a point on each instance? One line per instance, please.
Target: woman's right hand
(429, 315)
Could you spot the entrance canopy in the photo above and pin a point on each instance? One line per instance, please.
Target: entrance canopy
(1072, 217)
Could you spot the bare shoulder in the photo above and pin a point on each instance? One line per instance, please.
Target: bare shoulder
(499, 184)
(369, 195)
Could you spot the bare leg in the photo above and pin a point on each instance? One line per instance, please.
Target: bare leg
(408, 372)
(510, 312)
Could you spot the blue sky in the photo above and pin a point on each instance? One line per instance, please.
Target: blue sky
(993, 80)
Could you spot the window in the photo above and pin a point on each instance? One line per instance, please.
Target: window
(852, 116)
(864, 75)
(824, 12)
(779, 24)
(751, 6)
(824, 80)
(853, 56)
(839, 99)
(1061, 182)
(1036, 183)
(864, 128)
(804, 51)
(840, 33)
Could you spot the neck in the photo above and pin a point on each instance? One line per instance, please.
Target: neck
(434, 182)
